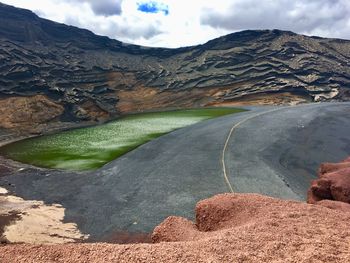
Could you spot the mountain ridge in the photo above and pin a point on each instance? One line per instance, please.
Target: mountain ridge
(83, 77)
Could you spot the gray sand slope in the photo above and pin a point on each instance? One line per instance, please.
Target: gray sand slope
(274, 153)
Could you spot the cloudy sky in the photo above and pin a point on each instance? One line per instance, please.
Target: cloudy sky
(174, 23)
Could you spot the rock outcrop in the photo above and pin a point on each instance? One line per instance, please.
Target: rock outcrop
(95, 78)
(228, 228)
(332, 188)
(29, 112)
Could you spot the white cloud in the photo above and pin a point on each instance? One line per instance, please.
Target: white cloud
(328, 18)
(196, 21)
(99, 7)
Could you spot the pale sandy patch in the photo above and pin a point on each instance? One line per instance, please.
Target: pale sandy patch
(3, 191)
(38, 223)
(281, 98)
(334, 92)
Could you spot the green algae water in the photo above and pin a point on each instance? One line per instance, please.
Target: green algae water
(92, 147)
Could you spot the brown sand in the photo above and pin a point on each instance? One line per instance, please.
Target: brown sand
(228, 228)
(280, 98)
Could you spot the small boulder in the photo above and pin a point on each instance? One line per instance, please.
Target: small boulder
(333, 183)
(332, 167)
(320, 189)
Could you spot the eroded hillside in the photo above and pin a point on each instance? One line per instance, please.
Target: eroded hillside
(75, 75)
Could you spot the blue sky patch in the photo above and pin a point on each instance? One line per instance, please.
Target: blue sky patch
(153, 7)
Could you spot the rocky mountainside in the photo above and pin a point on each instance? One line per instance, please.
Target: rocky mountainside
(54, 73)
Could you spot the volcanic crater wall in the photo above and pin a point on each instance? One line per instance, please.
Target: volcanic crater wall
(93, 78)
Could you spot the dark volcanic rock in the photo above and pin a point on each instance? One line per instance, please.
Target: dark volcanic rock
(95, 78)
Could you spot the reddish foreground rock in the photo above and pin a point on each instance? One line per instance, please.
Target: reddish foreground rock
(228, 228)
(333, 184)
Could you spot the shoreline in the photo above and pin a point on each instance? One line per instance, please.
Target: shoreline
(134, 207)
(62, 129)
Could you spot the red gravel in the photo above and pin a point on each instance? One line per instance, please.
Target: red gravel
(228, 228)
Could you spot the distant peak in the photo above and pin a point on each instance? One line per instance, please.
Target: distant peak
(245, 36)
(254, 33)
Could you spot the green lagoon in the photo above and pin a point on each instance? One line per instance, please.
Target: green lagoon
(92, 147)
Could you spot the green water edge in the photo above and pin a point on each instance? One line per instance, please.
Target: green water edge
(92, 147)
